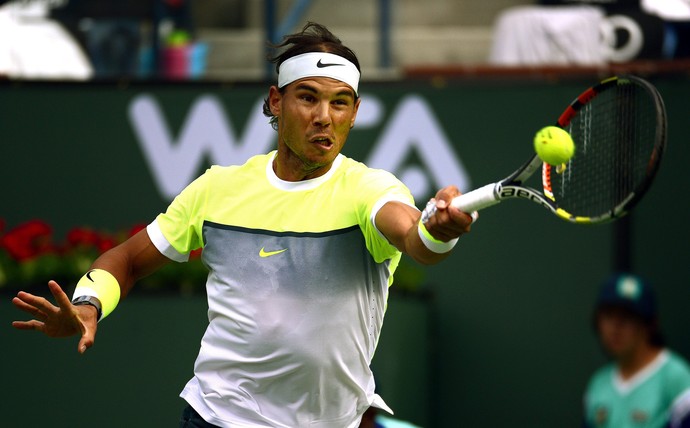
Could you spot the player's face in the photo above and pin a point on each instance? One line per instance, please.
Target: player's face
(315, 116)
(621, 333)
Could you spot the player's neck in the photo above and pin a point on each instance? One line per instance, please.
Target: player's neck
(632, 364)
(289, 167)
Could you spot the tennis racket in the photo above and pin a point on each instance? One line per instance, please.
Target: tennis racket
(619, 130)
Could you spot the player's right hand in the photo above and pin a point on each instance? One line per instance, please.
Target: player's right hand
(448, 222)
(58, 321)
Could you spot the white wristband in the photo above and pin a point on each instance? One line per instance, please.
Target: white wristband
(433, 244)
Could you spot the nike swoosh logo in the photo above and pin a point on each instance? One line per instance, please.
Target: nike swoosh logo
(263, 253)
(320, 64)
(88, 275)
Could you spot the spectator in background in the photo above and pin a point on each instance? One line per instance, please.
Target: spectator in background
(591, 32)
(529, 35)
(128, 38)
(34, 46)
(676, 17)
(109, 30)
(646, 384)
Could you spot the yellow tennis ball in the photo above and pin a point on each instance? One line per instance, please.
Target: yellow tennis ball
(554, 145)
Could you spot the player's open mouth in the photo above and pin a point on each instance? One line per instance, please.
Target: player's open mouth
(324, 142)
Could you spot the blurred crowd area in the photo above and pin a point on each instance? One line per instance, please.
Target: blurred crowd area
(225, 39)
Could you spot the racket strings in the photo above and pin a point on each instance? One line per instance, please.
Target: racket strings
(614, 136)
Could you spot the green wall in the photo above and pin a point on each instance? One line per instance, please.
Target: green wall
(497, 335)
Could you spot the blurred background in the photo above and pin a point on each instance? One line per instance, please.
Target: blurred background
(109, 108)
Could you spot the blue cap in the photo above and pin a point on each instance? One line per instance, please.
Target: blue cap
(629, 292)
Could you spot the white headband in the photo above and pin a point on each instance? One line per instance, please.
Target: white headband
(318, 64)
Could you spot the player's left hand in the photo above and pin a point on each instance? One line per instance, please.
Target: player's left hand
(449, 222)
(58, 321)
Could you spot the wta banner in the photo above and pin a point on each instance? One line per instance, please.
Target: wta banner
(107, 155)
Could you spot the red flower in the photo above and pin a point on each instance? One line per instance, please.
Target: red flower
(85, 237)
(28, 240)
(106, 243)
(136, 229)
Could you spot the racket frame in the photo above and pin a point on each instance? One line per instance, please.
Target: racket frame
(512, 186)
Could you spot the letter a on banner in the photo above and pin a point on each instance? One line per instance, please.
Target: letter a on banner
(413, 126)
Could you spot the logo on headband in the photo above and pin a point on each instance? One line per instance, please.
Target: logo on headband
(324, 65)
(313, 64)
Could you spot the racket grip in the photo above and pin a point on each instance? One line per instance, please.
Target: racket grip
(478, 199)
(475, 200)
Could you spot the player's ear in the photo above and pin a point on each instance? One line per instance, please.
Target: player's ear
(274, 98)
(354, 116)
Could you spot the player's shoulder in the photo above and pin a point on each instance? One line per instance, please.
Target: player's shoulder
(255, 164)
(256, 161)
(354, 169)
(352, 166)
(676, 378)
(364, 183)
(676, 366)
(603, 376)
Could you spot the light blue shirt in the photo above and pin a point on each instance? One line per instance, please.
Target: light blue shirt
(656, 397)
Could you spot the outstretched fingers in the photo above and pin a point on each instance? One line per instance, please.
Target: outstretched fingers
(62, 320)
(85, 342)
(22, 302)
(29, 325)
(37, 307)
(60, 297)
(78, 317)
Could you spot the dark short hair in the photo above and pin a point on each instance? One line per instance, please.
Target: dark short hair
(313, 38)
(639, 302)
(656, 336)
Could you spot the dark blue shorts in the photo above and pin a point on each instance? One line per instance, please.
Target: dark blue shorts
(191, 419)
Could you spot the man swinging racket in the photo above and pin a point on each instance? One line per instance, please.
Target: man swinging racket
(301, 245)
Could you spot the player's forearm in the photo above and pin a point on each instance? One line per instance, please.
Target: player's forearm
(399, 224)
(131, 261)
(119, 264)
(416, 248)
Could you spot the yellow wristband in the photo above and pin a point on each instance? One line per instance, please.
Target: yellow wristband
(433, 244)
(102, 285)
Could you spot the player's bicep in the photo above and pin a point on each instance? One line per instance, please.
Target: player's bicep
(146, 257)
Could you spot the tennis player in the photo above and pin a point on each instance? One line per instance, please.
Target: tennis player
(646, 384)
(301, 246)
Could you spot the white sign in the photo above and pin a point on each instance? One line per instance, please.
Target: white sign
(208, 133)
